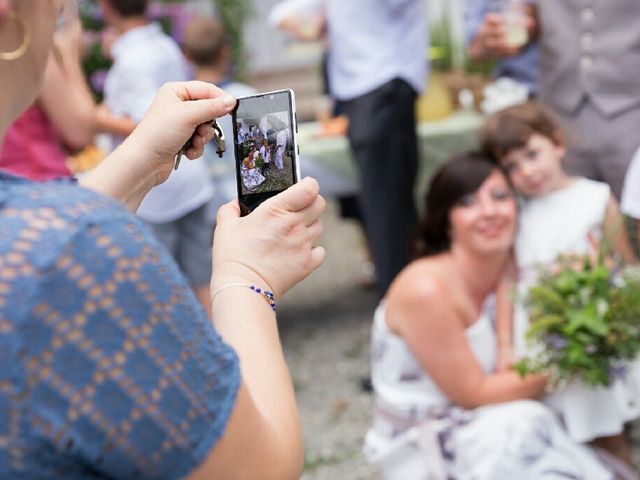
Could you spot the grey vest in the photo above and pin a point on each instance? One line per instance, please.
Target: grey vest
(590, 48)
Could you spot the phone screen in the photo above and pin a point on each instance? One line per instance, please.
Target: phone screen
(265, 147)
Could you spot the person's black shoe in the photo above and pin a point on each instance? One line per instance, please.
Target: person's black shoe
(366, 385)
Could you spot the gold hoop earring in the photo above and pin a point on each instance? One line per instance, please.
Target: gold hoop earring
(26, 39)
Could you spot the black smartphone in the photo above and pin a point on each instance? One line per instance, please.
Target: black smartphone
(266, 151)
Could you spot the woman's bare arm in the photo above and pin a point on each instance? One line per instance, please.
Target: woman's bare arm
(66, 97)
(428, 321)
(263, 438)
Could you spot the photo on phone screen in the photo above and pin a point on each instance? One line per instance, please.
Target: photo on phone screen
(265, 146)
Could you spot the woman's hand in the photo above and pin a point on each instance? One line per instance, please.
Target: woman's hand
(145, 159)
(179, 110)
(274, 246)
(67, 41)
(491, 41)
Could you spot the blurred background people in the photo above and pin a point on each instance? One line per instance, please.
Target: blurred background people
(376, 79)
(488, 27)
(206, 47)
(62, 119)
(589, 53)
(143, 59)
(305, 20)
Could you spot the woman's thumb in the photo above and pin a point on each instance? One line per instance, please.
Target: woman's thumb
(227, 212)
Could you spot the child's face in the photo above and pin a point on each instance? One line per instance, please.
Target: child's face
(536, 169)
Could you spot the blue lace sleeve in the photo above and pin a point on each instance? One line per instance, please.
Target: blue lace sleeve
(126, 376)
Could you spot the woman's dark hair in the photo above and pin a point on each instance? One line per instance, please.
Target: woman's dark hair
(461, 175)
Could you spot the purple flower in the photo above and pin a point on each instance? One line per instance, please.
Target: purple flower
(98, 79)
(557, 341)
(591, 349)
(175, 14)
(618, 371)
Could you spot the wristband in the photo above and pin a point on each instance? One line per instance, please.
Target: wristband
(266, 294)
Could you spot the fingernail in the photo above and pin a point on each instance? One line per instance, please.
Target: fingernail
(229, 100)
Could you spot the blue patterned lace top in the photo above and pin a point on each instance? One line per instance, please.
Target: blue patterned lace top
(109, 367)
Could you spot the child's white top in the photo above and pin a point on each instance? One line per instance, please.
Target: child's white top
(630, 203)
(555, 224)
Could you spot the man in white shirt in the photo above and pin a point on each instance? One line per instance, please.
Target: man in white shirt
(144, 59)
(377, 66)
(281, 143)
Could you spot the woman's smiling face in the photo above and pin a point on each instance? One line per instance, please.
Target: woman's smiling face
(484, 221)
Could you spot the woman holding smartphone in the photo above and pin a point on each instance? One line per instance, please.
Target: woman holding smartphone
(111, 367)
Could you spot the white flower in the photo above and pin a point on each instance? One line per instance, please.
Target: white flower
(504, 92)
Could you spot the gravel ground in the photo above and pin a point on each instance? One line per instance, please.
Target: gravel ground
(324, 324)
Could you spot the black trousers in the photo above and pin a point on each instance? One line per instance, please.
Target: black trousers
(382, 134)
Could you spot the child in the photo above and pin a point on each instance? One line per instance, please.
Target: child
(559, 214)
(205, 46)
(265, 152)
(144, 59)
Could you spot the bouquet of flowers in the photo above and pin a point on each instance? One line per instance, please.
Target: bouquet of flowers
(584, 322)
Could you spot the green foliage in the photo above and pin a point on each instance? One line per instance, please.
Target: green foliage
(234, 14)
(443, 48)
(446, 54)
(584, 323)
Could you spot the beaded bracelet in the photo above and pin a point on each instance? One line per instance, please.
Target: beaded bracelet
(266, 294)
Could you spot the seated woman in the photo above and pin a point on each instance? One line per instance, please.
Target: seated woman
(441, 411)
(251, 176)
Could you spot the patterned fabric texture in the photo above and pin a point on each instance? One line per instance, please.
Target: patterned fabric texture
(418, 434)
(110, 368)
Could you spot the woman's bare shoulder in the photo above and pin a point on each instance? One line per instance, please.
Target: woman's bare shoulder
(422, 279)
(421, 287)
